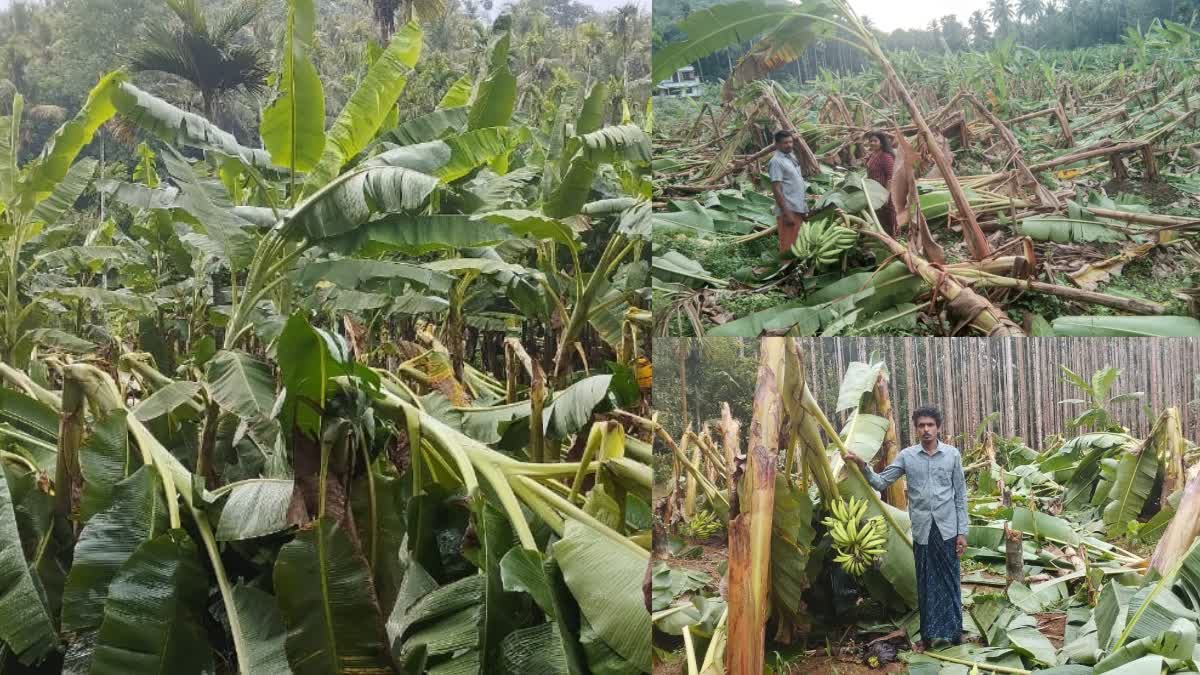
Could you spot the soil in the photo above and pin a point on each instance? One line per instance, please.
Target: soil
(1158, 193)
(711, 557)
(1052, 625)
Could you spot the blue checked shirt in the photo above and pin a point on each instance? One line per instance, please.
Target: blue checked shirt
(936, 489)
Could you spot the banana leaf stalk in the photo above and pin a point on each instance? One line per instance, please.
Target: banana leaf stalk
(750, 528)
(881, 404)
(507, 477)
(715, 499)
(729, 442)
(1130, 305)
(25, 384)
(176, 481)
(716, 646)
(1182, 530)
(695, 474)
(714, 458)
(614, 252)
(981, 665)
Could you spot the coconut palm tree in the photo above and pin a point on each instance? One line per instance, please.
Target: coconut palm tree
(980, 35)
(1030, 10)
(1001, 14)
(206, 53)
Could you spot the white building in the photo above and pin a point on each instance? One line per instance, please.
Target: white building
(683, 83)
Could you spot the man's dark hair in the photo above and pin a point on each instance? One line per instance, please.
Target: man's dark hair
(928, 411)
(782, 134)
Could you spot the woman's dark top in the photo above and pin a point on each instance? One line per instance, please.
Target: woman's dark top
(879, 168)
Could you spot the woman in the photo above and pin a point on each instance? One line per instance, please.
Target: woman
(879, 169)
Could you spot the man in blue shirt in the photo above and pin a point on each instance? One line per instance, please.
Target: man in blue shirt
(788, 187)
(937, 506)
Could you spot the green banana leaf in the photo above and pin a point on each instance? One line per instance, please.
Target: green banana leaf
(1044, 526)
(25, 624)
(497, 95)
(714, 28)
(256, 507)
(428, 127)
(350, 200)
(1177, 642)
(43, 175)
(136, 515)
(355, 272)
(415, 235)
(606, 582)
(1065, 230)
(241, 384)
(264, 631)
(359, 121)
(154, 612)
(327, 602)
(1130, 489)
(673, 266)
(65, 192)
(1126, 326)
(475, 148)
(572, 408)
(458, 94)
(863, 434)
(176, 127)
(860, 378)
(212, 216)
(105, 459)
(591, 117)
(293, 125)
(792, 537)
(177, 400)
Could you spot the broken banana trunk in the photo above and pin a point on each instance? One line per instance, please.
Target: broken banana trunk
(964, 305)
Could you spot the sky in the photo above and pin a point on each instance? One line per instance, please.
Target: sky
(889, 15)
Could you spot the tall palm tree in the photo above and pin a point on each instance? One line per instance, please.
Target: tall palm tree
(1001, 14)
(980, 35)
(206, 54)
(623, 25)
(386, 12)
(1030, 10)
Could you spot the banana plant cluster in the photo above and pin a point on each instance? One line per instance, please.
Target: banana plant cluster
(463, 217)
(206, 467)
(367, 527)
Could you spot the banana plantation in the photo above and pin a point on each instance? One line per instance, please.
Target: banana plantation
(1082, 553)
(1035, 192)
(362, 399)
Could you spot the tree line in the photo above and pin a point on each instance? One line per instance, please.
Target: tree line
(1037, 24)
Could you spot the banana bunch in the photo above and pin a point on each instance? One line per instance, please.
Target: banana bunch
(822, 242)
(857, 543)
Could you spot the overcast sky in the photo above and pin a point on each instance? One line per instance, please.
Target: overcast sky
(889, 15)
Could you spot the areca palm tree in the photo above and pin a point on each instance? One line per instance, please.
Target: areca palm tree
(384, 13)
(205, 53)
